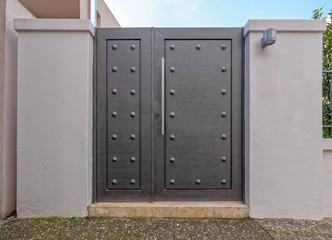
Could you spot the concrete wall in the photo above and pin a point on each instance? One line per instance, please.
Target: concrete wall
(286, 174)
(10, 10)
(4, 210)
(54, 152)
(284, 162)
(327, 178)
(105, 17)
(84, 9)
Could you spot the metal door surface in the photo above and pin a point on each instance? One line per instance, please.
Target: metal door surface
(198, 133)
(123, 115)
(168, 115)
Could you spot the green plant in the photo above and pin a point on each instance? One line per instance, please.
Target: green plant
(327, 65)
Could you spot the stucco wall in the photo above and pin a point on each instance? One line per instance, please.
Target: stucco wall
(3, 210)
(327, 177)
(106, 17)
(286, 175)
(10, 10)
(284, 161)
(54, 152)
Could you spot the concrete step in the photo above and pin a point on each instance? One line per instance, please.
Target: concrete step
(169, 209)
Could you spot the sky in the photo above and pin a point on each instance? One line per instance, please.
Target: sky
(209, 13)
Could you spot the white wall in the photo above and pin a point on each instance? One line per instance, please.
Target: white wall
(8, 77)
(54, 153)
(327, 178)
(286, 176)
(284, 161)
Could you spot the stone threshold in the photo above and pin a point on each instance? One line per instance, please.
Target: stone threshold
(169, 209)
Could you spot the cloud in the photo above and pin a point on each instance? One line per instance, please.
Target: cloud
(193, 8)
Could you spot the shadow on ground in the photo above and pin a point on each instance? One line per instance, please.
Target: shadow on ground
(139, 228)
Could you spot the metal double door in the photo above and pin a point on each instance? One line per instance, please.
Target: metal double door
(168, 106)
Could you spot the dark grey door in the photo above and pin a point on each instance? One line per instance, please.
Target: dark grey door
(168, 114)
(198, 155)
(123, 115)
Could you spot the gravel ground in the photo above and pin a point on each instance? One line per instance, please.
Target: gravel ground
(142, 228)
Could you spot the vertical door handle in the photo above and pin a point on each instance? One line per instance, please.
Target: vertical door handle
(162, 96)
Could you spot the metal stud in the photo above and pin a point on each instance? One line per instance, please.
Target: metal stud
(132, 136)
(114, 69)
(114, 182)
(172, 181)
(114, 136)
(172, 159)
(132, 47)
(133, 159)
(172, 92)
(223, 92)
(198, 47)
(114, 159)
(114, 114)
(114, 91)
(223, 46)
(223, 181)
(172, 137)
(133, 92)
(132, 114)
(223, 69)
(223, 114)
(132, 181)
(223, 136)
(172, 115)
(132, 69)
(223, 159)
(172, 69)
(172, 47)
(114, 46)
(198, 181)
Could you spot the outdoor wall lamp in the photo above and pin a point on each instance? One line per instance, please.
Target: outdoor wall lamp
(269, 37)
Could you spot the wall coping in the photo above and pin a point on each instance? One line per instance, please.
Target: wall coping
(61, 25)
(327, 144)
(298, 25)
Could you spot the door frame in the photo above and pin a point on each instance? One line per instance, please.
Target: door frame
(156, 35)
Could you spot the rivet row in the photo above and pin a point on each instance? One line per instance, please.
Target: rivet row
(115, 47)
(198, 47)
(172, 159)
(115, 91)
(115, 69)
(132, 181)
(132, 159)
(132, 114)
(197, 181)
(132, 136)
(172, 136)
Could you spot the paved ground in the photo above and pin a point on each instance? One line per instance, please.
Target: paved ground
(108, 228)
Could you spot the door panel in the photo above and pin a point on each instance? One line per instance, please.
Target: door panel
(199, 156)
(198, 99)
(123, 114)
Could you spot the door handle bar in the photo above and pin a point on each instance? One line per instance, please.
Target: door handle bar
(162, 96)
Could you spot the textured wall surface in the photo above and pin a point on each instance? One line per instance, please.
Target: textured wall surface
(286, 175)
(327, 178)
(284, 164)
(54, 152)
(3, 199)
(9, 10)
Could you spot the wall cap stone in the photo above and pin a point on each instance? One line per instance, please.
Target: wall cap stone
(298, 25)
(60, 25)
(327, 144)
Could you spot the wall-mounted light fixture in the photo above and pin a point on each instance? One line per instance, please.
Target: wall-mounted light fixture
(269, 37)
